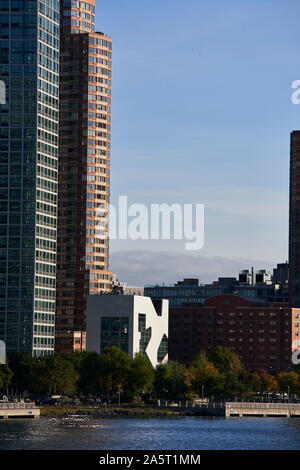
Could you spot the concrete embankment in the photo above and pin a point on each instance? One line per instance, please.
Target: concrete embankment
(225, 410)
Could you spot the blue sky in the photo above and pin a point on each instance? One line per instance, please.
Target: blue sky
(202, 112)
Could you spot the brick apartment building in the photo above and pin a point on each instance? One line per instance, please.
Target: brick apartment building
(84, 168)
(261, 334)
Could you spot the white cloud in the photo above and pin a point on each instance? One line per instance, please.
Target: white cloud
(147, 267)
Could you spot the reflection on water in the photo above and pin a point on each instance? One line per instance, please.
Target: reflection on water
(79, 432)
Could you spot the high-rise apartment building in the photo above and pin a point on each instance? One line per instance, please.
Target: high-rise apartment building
(29, 67)
(294, 223)
(84, 166)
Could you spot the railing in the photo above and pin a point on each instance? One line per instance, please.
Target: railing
(263, 406)
(17, 406)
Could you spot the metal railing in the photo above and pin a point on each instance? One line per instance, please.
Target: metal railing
(17, 406)
(263, 406)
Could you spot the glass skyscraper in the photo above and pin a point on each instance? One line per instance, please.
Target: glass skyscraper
(29, 66)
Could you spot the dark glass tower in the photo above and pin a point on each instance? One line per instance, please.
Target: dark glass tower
(294, 223)
(29, 66)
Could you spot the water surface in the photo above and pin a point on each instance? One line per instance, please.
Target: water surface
(184, 433)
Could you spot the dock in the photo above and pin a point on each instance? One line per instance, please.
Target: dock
(240, 409)
(289, 410)
(19, 410)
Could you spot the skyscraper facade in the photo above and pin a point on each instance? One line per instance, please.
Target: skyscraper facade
(294, 221)
(84, 167)
(29, 67)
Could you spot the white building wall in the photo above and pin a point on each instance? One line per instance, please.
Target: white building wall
(99, 306)
(159, 325)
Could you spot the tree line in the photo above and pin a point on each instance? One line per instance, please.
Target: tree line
(221, 375)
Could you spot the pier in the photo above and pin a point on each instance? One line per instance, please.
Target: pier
(19, 410)
(240, 409)
(288, 410)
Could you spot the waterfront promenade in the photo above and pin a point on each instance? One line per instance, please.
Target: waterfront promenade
(226, 410)
(231, 409)
(19, 410)
(289, 410)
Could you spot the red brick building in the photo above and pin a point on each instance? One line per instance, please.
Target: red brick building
(261, 334)
(84, 167)
(66, 341)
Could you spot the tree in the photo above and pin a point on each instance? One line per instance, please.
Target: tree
(202, 375)
(226, 360)
(245, 378)
(114, 367)
(163, 380)
(170, 381)
(179, 388)
(58, 375)
(288, 381)
(233, 386)
(140, 377)
(262, 382)
(89, 368)
(5, 376)
(25, 372)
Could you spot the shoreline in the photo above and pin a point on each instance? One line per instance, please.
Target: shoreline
(111, 412)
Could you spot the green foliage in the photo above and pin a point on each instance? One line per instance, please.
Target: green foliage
(140, 377)
(5, 376)
(58, 375)
(115, 368)
(203, 375)
(288, 381)
(170, 381)
(25, 372)
(226, 360)
(89, 369)
(220, 376)
(262, 382)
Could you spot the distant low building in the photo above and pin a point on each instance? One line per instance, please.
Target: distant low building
(121, 288)
(188, 290)
(258, 285)
(135, 324)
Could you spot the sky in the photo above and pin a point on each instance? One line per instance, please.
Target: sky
(202, 113)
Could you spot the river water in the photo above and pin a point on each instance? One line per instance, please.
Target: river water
(184, 433)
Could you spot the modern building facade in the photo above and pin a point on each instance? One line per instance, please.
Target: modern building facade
(263, 335)
(188, 290)
(135, 324)
(29, 66)
(294, 221)
(281, 273)
(84, 164)
(254, 286)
